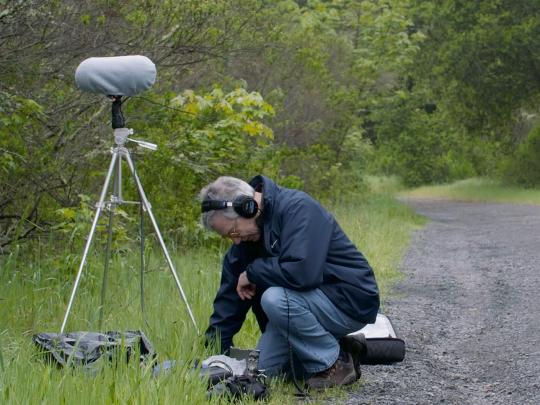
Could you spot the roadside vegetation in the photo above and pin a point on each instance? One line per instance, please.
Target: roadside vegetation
(477, 190)
(35, 285)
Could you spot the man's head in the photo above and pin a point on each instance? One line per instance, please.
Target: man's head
(226, 221)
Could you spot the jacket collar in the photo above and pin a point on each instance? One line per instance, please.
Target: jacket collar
(269, 191)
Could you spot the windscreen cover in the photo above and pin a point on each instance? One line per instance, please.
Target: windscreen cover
(116, 76)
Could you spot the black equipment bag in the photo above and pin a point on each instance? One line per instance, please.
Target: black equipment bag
(85, 348)
(383, 345)
(236, 384)
(239, 386)
(383, 351)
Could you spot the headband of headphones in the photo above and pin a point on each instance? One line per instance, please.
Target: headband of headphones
(244, 205)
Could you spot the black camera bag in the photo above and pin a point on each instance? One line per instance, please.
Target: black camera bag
(382, 344)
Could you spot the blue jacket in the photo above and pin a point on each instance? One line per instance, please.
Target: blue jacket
(302, 247)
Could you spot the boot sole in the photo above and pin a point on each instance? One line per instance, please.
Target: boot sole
(348, 381)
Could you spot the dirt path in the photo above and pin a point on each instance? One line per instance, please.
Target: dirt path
(468, 309)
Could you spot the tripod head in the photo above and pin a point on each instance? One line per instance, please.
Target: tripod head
(121, 133)
(118, 122)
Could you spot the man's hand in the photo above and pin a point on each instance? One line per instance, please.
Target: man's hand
(244, 288)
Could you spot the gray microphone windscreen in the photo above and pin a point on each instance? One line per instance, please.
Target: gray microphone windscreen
(116, 76)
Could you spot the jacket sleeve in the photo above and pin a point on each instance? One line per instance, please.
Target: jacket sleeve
(229, 310)
(306, 232)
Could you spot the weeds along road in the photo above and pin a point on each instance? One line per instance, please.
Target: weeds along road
(468, 309)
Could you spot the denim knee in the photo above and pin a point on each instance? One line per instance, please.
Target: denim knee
(273, 302)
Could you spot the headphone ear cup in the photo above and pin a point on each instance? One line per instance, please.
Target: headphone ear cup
(246, 206)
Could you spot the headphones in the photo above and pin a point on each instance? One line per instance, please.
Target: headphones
(244, 205)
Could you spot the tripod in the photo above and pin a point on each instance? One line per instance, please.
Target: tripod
(118, 153)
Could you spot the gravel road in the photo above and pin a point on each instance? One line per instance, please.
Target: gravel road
(468, 309)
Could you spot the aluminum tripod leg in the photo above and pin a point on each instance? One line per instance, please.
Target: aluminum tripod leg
(142, 269)
(106, 266)
(90, 236)
(146, 204)
(117, 197)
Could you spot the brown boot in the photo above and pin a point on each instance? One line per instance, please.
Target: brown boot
(356, 346)
(340, 373)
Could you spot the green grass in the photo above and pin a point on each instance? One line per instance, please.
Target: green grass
(35, 284)
(381, 228)
(386, 185)
(476, 190)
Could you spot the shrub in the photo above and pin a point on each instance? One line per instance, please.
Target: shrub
(523, 166)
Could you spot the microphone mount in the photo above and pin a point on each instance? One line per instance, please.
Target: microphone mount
(117, 120)
(121, 133)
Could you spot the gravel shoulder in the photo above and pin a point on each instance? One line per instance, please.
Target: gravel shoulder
(468, 309)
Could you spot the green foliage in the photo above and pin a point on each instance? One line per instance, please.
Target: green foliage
(420, 147)
(325, 175)
(430, 91)
(199, 137)
(481, 59)
(523, 167)
(469, 61)
(53, 146)
(22, 164)
(74, 223)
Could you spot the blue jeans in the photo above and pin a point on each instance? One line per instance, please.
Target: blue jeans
(315, 326)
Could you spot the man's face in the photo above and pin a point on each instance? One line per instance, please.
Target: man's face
(238, 230)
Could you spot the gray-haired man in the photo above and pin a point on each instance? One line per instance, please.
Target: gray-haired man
(292, 264)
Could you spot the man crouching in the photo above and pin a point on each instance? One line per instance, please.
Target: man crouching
(293, 265)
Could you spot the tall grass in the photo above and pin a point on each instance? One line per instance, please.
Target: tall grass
(35, 284)
(477, 190)
(381, 228)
